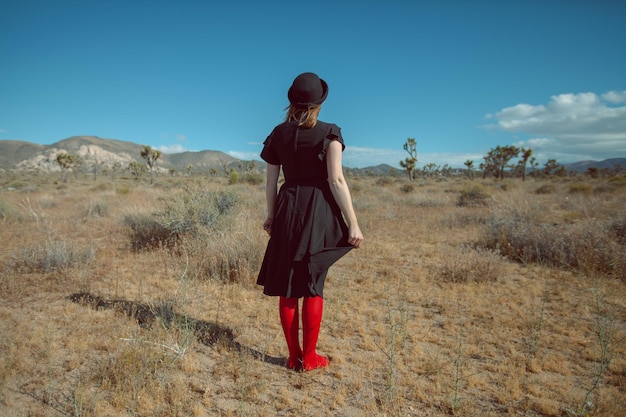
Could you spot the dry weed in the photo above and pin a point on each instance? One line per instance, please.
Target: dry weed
(421, 321)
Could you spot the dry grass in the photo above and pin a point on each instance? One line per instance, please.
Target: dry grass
(468, 298)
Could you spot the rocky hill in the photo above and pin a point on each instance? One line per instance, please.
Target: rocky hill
(105, 152)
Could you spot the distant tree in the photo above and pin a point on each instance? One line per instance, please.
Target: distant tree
(150, 156)
(617, 168)
(431, 169)
(115, 168)
(96, 167)
(525, 154)
(551, 167)
(593, 172)
(469, 164)
(497, 159)
(409, 162)
(68, 161)
(137, 169)
(534, 164)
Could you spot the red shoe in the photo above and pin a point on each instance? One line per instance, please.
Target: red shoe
(312, 309)
(290, 321)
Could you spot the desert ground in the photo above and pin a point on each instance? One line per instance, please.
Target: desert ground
(122, 297)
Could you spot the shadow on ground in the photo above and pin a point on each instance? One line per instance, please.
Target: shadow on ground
(146, 315)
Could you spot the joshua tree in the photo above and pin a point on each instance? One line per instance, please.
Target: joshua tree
(469, 164)
(68, 161)
(497, 159)
(551, 167)
(526, 153)
(431, 169)
(534, 164)
(150, 156)
(409, 163)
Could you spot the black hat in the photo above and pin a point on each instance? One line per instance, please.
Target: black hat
(307, 89)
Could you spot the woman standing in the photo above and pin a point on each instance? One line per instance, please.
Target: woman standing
(311, 221)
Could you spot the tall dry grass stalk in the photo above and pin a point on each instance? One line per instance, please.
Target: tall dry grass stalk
(487, 298)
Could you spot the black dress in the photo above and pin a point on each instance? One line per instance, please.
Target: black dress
(309, 233)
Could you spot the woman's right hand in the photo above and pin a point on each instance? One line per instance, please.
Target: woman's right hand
(267, 225)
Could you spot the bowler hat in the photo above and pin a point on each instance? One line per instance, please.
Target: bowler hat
(307, 89)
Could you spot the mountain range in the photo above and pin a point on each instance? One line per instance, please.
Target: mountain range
(111, 152)
(105, 152)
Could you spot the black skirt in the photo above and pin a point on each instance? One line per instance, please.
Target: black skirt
(309, 234)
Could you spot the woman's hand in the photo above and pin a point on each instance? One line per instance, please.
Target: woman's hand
(267, 225)
(355, 237)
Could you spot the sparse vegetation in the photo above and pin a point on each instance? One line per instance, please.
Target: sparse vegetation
(473, 195)
(475, 298)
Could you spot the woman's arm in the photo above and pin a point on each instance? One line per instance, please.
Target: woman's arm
(271, 189)
(341, 192)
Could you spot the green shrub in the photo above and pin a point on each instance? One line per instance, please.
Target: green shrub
(580, 188)
(4, 210)
(253, 178)
(473, 195)
(384, 181)
(123, 190)
(407, 188)
(97, 209)
(192, 213)
(618, 180)
(546, 189)
(53, 256)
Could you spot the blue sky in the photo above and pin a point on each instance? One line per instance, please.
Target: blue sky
(460, 77)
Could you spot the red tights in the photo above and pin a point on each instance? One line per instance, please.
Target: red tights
(312, 309)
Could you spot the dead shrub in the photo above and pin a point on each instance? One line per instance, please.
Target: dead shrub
(585, 244)
(469, 264)
(146, 232)
(232, 258)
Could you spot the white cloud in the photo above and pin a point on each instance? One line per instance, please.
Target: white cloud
(573, 125)
(615, 96)
(246, 156)
(176, 148)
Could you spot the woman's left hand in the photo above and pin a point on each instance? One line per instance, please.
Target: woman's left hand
(267, 225)
(355, 237)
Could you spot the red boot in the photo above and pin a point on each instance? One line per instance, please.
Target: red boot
(312, 310)
(288, 309)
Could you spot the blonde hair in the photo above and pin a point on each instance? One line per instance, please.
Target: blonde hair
(304, 116)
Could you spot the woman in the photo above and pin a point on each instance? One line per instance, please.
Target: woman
(311, 221)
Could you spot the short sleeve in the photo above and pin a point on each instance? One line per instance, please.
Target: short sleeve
(268, 154)
(333, 134)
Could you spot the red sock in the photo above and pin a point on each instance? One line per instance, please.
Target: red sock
(312, 310)
(290, 320)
